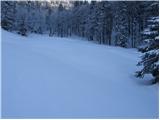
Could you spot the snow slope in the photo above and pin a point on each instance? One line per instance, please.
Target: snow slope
(51, 77)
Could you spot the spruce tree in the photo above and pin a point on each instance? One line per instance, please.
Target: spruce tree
(121, 24)
(150, 59)
(22, 30)
(8, 15)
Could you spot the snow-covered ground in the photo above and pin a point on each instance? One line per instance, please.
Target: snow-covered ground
(51, 77)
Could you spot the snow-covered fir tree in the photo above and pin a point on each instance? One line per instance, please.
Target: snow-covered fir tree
(8, 14)
(150, 49)
(22, 28)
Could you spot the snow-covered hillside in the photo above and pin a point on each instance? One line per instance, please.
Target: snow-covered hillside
(51, 77)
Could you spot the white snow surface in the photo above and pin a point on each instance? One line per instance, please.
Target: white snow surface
(53, 77)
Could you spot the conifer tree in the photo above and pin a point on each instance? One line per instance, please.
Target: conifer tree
(150, 59)
(22, 28)
(7, 16)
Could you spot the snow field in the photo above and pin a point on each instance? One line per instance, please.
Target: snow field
(52, 77)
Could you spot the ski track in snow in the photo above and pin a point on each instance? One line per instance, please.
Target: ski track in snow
(52, 77)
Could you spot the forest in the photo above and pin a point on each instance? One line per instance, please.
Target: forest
(128, 24)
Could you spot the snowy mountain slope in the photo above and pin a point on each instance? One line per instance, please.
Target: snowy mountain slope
(51, 77)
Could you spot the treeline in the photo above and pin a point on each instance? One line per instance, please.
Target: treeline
(118, 23)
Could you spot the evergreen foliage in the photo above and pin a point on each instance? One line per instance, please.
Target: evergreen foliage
(150, 59)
